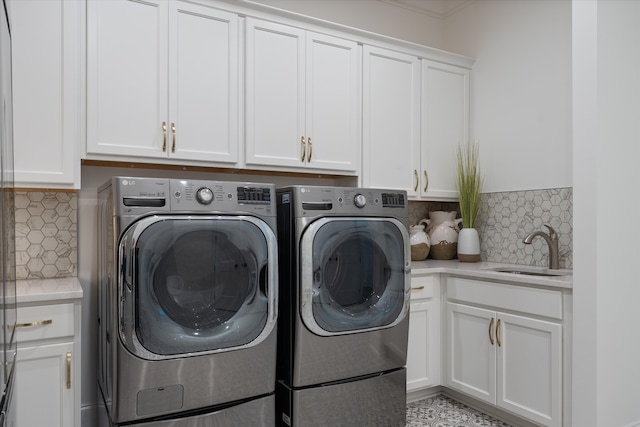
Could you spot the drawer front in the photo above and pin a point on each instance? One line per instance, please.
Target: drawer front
(536, 301)
(422, 287)
(44, 322)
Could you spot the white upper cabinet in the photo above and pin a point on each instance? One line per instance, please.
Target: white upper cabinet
(415, 113)
(162, 81)
(183, 82)
(47, 39)
(445, 125)
(391, 120)
(302, 99)
(127, 76)
(203, 83)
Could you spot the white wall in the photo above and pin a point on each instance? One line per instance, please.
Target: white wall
(369, 15)
(520, 89)
(606, 175)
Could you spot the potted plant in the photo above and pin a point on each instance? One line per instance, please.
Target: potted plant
(469, 183)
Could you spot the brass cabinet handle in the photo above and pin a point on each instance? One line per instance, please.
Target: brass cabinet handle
(498, 333)
(417, 288)
(426, 180)
(164, 139)
(173, 133)
(36, 323)
(68, 369)
(491, 330)
(304, 149)
(415, 173)
(310, 149)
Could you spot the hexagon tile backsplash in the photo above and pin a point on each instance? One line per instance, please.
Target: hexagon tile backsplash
(46, 234)
(506, 218)
(47, 241)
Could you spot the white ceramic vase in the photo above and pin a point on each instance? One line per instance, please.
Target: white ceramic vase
(468, 245)
(420, 243)
(442, 227)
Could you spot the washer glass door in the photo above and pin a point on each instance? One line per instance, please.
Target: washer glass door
(354, 274)
(197, 284)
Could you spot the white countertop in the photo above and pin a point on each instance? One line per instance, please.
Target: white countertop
(482, 270)
(41, 290)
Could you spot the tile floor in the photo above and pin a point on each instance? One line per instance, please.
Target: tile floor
(441, 411)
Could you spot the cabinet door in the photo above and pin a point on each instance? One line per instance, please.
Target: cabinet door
(274, 109)
(332, 103)
(203, 83)
(46, 48)
(127, 77)
(470, 351)
(420, 352)
(391, 120)
(445, 123)
(530, 368)
(44, 392)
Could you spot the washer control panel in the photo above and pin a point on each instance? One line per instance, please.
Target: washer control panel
(204, 196)
(359, 200)
(139, 195)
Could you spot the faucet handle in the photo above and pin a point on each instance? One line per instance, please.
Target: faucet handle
(552, 232)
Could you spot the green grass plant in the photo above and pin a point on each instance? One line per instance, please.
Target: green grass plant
(469, 182)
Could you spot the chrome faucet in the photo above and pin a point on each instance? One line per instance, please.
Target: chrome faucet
(552, 242)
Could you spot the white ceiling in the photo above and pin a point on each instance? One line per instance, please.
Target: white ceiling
(434, 8)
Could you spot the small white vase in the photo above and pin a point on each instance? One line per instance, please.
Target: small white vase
(468, 245)
(420, 243)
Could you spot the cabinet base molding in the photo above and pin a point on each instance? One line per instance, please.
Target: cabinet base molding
(209, 169)
(425, 393)
(45, 190)
(487, 409)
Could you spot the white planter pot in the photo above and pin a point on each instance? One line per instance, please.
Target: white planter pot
(468, 245)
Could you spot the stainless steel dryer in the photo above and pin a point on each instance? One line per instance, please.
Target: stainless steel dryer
(344, 297)
(187, 302)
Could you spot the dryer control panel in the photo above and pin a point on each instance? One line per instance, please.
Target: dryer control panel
(314, 201)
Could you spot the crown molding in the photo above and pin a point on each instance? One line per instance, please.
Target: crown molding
(439, 9)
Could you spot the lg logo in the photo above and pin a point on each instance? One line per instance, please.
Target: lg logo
(128, 182)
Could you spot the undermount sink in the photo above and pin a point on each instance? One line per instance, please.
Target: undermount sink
(531, 271)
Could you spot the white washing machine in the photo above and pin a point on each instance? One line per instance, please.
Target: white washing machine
(187, 302)
(344, 300)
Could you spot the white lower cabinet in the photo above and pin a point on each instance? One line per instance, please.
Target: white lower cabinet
(48, 365)
(513, 361)
(43, 398)
(423, 356)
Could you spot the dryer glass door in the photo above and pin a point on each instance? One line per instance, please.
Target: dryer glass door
(196, 284)
(354, 274)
